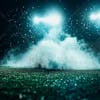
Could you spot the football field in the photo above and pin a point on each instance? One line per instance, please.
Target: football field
(30, 84)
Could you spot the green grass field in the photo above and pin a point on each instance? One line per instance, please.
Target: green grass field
(29, 84)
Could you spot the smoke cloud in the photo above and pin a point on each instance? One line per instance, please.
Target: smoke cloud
(54, 52)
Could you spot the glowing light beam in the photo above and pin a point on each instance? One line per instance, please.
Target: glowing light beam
(95, 19)
(36, 20)
(52, 19)
(95, 16)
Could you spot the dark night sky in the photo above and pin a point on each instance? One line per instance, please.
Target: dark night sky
(15, 30)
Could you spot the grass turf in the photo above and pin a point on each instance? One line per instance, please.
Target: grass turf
(30, 84)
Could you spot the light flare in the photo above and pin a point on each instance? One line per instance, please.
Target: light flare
(95, 16)
(54, 19)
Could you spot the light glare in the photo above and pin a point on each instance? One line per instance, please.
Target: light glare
(51, 19)
(95, 16)
(36, 20)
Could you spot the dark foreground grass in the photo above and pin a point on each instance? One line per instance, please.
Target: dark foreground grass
(30, 84)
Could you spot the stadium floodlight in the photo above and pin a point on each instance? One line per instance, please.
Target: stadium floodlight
(95, 19)
(36, 20)
(52, 19)
(95, 16)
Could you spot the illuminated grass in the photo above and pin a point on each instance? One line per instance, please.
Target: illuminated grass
(49, 85)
